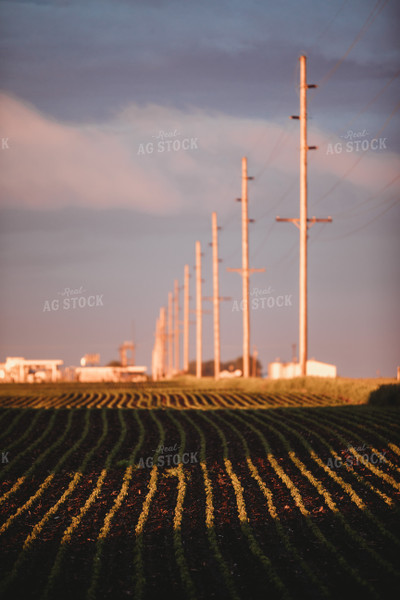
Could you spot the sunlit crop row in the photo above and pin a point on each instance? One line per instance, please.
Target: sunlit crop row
(165, 399)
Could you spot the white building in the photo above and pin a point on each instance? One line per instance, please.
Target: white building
(112, 374)
(17, 369)
(230, 374)
(279, 370)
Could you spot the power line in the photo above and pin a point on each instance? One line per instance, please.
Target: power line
(253, 254)
(276, 114)
(274, 151)
(324, 31)
(280, 199)
(360, 112)
(365, 210)
(358, 160)
(396, 108)
(341, 237)
(287, 256)
(347, 212)
(378, 7)
(272, 208)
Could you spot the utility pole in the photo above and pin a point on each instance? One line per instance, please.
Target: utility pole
(123, 352)
(216, 298)
(294, 357)
(217, 349)
(176, 336)
(245, 271)
(133, 343)
(303, 222)
(159, 350)
(186, 319)
(155, 353)
(255, 354)
(169, 335)
(198, 312)
(163, 339)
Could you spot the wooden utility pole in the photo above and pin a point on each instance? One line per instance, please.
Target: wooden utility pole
(159, 350)
(169, 335)
(198, 312)
(303, 217)
(176, 330)
(133, 343)
(123, 351)
(245, 275)
(163, 339)
(245, 271)
(155, 357)
(216, 300)
(294, 357)
(254, 369)
(186, 320)
(303, 222)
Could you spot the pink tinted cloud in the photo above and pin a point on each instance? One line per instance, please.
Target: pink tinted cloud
(360, 161)
(51, 164)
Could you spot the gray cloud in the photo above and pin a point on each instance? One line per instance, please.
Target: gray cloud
(86, 61)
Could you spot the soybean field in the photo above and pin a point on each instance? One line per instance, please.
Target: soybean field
(176, 492)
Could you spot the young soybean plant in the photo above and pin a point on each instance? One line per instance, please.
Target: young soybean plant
(139, 579)
(298, 500)
(314, 579)
(97, 560)
(243, 518)
(76, 521)
(209, 509)
(33, 536)
(178, 545)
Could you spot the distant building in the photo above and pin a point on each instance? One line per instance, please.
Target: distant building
(110, 374)
(280, 370)
(17, 369)
(229, 374)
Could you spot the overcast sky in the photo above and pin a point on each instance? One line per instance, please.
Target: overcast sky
(123, 125)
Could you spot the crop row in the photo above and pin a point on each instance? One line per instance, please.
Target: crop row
(259, 502)
(167, 398)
